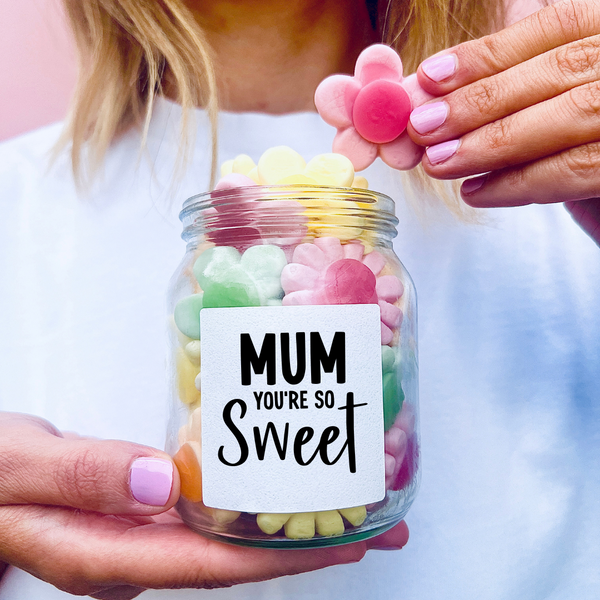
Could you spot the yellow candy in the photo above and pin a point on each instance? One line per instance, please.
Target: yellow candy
(279, 162)
(329, 522)
(222, 516)
(297, 180)
(227, 168)
(192, 430)
(253, 174)
(355, 515)
(344, 234)
(186, 376)
(301, 526)
(242, 164)
(331, 167)
(271, 523)
(360, 182)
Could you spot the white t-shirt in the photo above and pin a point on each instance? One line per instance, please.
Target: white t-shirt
(509, 506)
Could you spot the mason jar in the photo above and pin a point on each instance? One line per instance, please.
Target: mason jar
(293, 367)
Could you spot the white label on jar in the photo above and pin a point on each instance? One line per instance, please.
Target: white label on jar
(292, 408)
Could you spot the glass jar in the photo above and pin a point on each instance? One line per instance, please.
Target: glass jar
(293, 366)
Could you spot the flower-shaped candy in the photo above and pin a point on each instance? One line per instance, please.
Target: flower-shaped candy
(328, 273)
(239, 218)
(371, 110)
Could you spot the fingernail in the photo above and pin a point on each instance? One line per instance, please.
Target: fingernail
(470, 186)
(441, 152)
(439, 68)
(151, 480)
(429, 116)
(387, 548)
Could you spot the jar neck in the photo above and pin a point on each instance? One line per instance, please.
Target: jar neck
(288, 215)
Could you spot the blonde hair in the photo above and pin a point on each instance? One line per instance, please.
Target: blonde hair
(126, 46)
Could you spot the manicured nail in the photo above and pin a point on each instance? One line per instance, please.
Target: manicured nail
(470, 186)
(429, 116)
(151, 480)
(441, 152)
(439, 68)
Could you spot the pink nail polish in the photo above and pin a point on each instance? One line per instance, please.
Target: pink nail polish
(151, 480)
(439, 68)
(428, 117)
(470, 186)
(441, 152)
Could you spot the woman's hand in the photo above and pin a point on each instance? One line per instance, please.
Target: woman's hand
(521, 107)
(84, 515)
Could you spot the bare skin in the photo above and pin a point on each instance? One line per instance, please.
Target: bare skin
(272, 54)
(68, 516)
(96, 539)
(522, 109)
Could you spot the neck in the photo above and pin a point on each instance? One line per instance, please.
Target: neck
(270, 55)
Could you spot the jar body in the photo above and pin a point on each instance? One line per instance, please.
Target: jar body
(293, 366)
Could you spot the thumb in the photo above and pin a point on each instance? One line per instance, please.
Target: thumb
(112, 477)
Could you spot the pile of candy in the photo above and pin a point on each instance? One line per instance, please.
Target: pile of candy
(297, 250)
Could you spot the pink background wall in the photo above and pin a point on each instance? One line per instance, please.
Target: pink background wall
(37, 65)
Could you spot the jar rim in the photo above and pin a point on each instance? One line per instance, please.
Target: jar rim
(378, 207)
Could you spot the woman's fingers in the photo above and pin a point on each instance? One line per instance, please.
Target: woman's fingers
(570, 175)
(111, 477)
(551, 27)
(586, 213)
(566, 121)
(551, 74)
(87, 553)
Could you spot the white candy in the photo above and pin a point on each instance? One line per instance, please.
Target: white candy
(192, 351)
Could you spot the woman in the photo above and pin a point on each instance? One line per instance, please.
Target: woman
(509, 337)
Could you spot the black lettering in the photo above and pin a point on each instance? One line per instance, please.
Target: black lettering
(329, 435)
(236, 432)
(304, 435)
(329, 399)
(320, 403)
(286, 367)
(261, 445)
(320, 358)
(278, 400)
(257, 397)
(303, 399)
(249, 358)
(350, 442)
(293, 399)
(268, 404)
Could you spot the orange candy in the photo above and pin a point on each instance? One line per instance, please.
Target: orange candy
(190, 472)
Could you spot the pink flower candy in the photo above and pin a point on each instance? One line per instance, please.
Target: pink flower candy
(327, 272)
(371, 110)
(240, 219)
